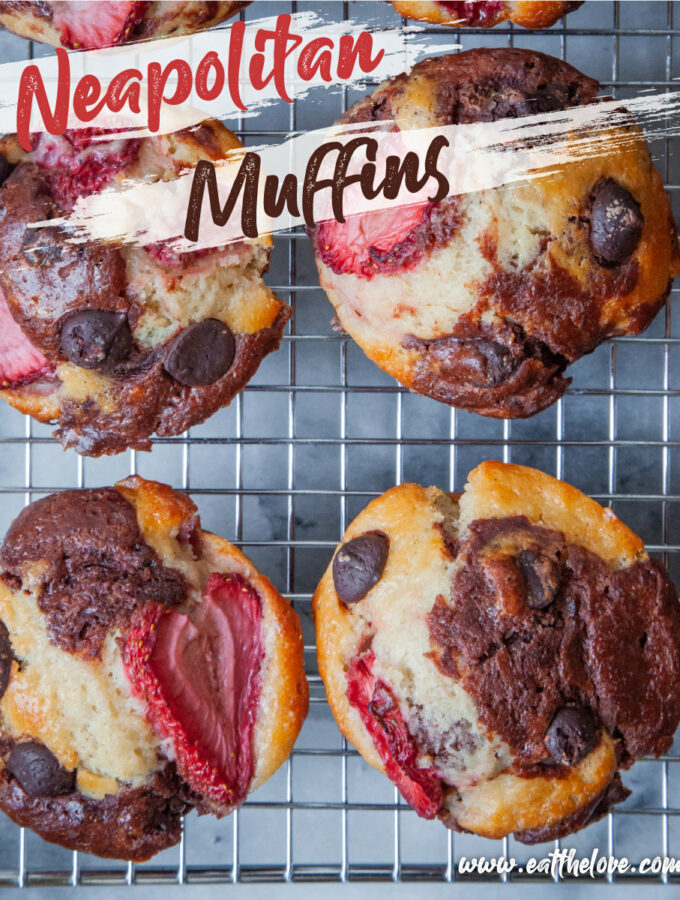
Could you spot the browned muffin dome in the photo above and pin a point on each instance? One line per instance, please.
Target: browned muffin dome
(502, 654)
(115, 342)
(482, 300)
(91, 24)
(146, 668)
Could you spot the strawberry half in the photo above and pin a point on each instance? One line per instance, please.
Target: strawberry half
(370, 242)
(20, 362)
(78, 165)
(172, 259)
(477, 12)
(381, 715)
(199, 678)
(91, 24)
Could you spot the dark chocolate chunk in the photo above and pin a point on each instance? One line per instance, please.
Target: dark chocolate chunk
(43, 246)
(616, 221)
(358, 566)
(201, 354)
(6, 657)
(6, 169)
(494, 362)
(38, 770)
(511, 106)
(96, 338)
(572, 735)
(490, 367)
(542, 576)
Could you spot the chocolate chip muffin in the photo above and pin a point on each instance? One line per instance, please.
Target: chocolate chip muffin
(486, 13)
(502, 654)
(482, 300)
(146, 668)
(116, 342)
(103, 23)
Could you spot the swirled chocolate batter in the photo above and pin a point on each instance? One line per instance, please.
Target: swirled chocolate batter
(133, 823)
(501, 672)
(99, 569)
(536, 629)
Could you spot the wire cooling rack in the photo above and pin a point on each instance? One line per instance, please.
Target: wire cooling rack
(316, 435)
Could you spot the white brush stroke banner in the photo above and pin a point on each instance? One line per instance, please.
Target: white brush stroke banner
(478, 157)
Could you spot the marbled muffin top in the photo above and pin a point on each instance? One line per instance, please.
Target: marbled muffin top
(482, 300)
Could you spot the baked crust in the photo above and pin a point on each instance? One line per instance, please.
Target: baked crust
(134, 824)
(497, 490)
(404, 616)
(132, 418)
(128, 797)
(491, 309)
(508, 803)
(108, 412)
(529, 13)
(33, 20)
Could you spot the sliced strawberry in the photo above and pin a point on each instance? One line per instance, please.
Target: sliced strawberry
(78, 165)
(474, 12)
(90, 24)
(82, 138)
(172, 259)
(199, 677)
(370, 242)
(20, 362)
(380, 713)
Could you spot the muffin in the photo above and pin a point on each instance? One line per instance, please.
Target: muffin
(483, 299)
(91, 25)
(146, 668)
(486, 13)
(114, 342)
(502, 654)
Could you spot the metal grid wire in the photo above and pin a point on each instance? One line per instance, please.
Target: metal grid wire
(317, 434)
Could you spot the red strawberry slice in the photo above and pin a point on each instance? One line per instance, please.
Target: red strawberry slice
(166, 256)
(380, 713)
(90, 24)
(474, 12)
(78, 165)
(20, 362)
(82, 138)
(199, 677)
(371, 241)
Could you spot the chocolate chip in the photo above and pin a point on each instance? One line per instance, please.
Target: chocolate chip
(38, 770)
(6, 657)
(6, 169)
(96, 338)
(496, 363)
(201, 353)
(358, 566)
(572, 735)
(551, 96)
(478, 361)
(616, 221)
(542, 576)
(43, 246)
